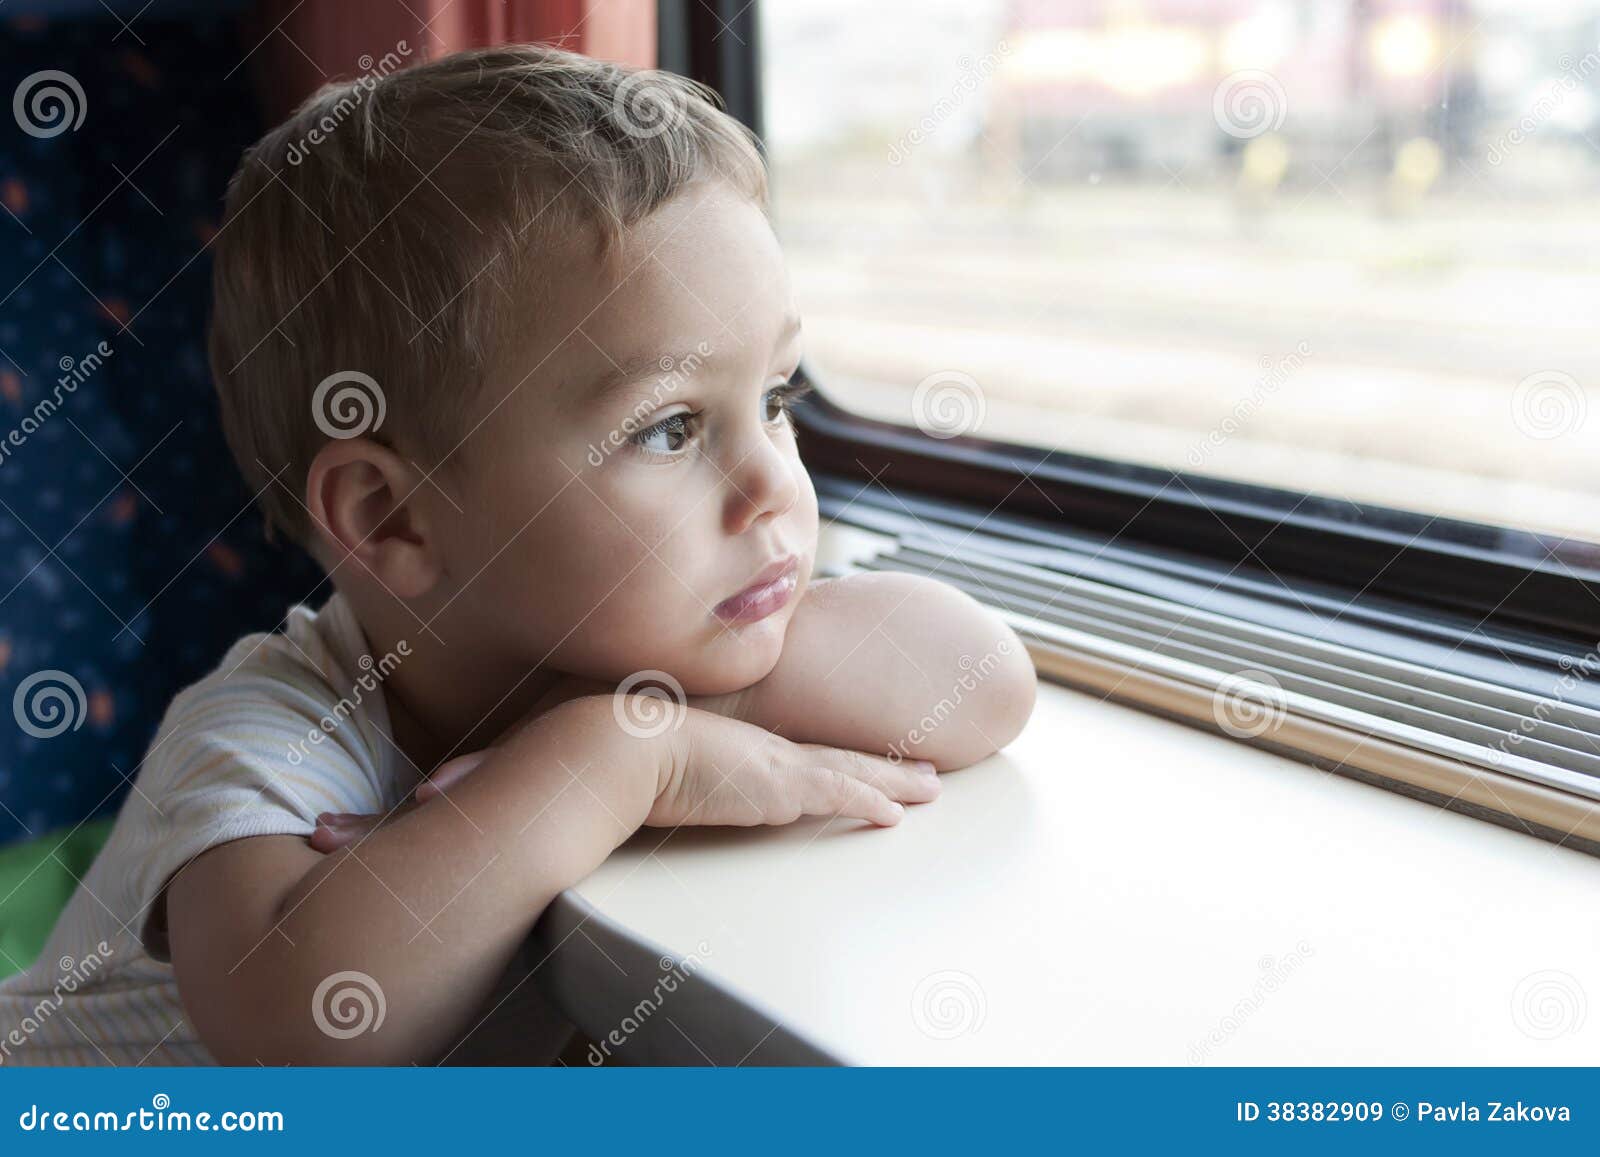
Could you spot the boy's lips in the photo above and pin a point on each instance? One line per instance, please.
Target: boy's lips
(768, 592)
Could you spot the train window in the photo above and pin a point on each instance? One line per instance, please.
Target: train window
(1344, 248)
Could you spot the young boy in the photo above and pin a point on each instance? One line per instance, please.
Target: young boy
(506, 341)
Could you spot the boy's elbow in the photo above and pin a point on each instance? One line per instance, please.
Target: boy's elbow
(994, 670)
(1008, 683)
(284, 1023)
(1011, 705)
(1004, 686)
(1003, 707)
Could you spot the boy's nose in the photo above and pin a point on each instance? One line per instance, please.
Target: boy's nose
(763, 485)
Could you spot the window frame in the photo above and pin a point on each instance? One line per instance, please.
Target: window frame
(1491, 576)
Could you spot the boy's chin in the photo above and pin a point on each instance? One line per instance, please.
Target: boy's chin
(733, 659)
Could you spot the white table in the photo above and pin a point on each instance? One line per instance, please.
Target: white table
(1113, 888)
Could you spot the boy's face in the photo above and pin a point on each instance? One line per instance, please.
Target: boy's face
(634, 468)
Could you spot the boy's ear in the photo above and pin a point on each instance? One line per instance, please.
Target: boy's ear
(364, 499)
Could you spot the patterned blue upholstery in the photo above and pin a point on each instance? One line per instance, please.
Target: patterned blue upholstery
(130, 555)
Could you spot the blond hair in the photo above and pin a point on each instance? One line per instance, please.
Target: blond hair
(363, 263)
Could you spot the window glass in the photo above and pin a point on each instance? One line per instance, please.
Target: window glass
(1347, 247)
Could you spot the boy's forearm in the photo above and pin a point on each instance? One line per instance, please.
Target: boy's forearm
(899, 665)
(886, 663)
(439, 899)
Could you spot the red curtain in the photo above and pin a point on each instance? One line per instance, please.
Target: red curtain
(295, 47)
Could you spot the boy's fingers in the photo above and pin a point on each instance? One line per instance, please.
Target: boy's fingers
(833, 793)
(337, 829)
(449, 774)
(907, 780)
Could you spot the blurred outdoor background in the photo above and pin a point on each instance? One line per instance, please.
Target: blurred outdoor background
(1342, 246)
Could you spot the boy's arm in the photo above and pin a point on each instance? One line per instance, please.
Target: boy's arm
(884, 662)
(894, 664)
(431, 911)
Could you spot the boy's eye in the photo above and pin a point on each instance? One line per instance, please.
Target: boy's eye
(669, 436)
(784, 398)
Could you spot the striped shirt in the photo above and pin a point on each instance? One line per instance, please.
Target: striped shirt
(290, 724)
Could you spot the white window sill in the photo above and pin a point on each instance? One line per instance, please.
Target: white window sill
(1116, 888)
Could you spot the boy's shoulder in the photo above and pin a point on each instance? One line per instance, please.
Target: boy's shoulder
(317, 644)
(294, 708)
(289, 724)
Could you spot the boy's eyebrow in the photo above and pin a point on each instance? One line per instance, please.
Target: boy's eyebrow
(644, 371)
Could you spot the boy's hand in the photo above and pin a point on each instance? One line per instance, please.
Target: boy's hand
(723, 771)
(336, 829)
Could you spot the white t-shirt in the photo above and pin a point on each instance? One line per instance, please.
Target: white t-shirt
(290, 724)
